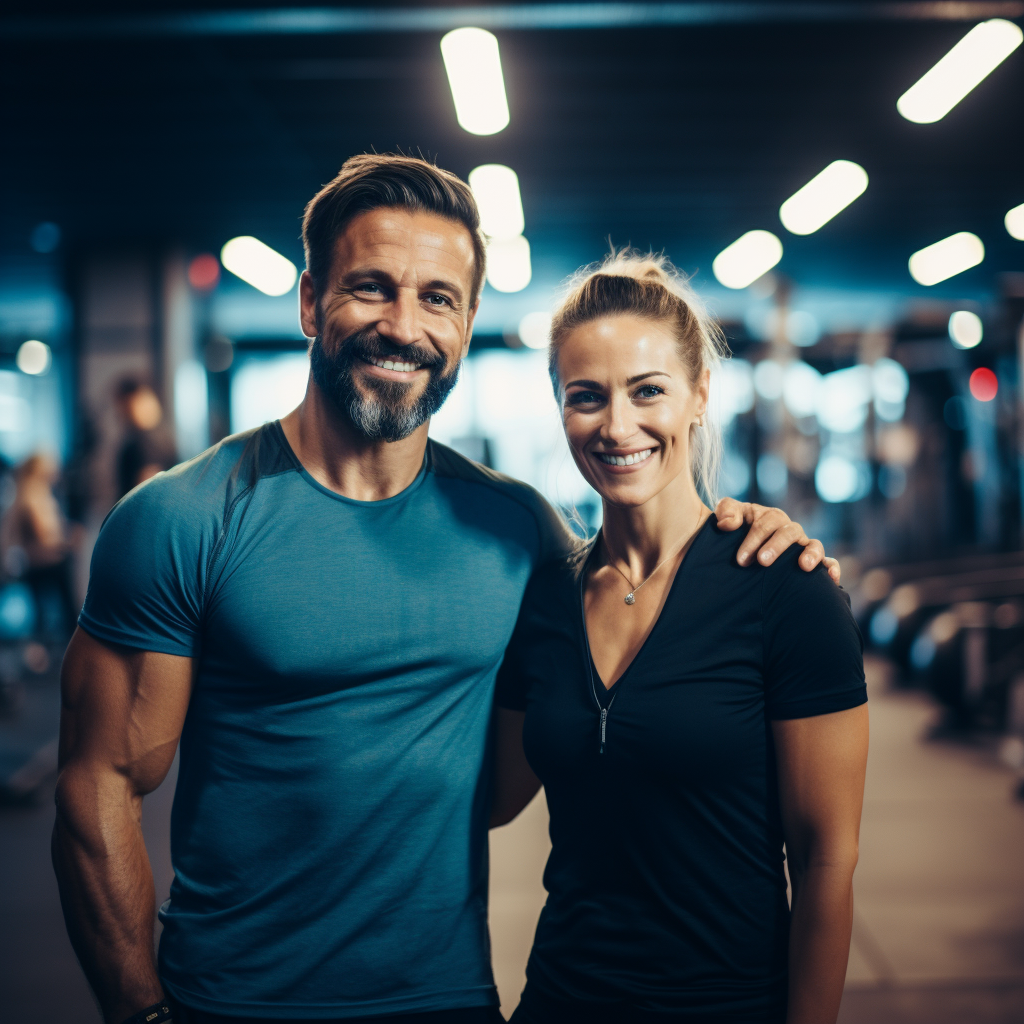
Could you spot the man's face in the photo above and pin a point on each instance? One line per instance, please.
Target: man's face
(394, 320)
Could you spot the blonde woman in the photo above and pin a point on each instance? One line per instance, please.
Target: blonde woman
(688, 718)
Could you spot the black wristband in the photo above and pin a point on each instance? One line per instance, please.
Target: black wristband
(155, 1014)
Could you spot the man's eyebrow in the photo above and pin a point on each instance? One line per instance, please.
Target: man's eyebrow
(367, 273)
(584, 384)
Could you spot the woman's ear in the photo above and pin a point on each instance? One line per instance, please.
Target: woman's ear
(703, 395)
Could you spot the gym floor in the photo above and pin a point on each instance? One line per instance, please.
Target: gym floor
(939, 931)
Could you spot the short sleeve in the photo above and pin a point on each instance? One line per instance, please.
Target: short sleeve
(813, 651)
(148, 571)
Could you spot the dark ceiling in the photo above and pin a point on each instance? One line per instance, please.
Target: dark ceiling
(672, 136)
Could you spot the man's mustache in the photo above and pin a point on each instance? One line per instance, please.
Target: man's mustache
(368, 344)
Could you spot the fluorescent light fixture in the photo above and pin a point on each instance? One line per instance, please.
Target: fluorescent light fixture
(750, 256)
(259, 265)
(535, 330)
(965, 329)
(946, 258)
(508, 264)
(496, 190)
(979, 53)
(1014, 221)
(33, 357)
(828, 192)
(473, 64)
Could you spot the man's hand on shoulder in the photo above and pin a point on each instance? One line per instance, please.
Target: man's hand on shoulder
(771, 532)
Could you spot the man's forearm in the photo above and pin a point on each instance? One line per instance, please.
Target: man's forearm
(106, 890)
(819, 943)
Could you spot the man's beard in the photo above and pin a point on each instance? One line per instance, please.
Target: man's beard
(385, 413)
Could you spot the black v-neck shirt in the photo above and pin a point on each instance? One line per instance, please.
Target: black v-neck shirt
(666, 889)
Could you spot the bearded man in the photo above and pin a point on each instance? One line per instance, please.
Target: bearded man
(317, 610)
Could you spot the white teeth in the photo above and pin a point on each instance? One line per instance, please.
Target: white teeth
(625, 460)
(390, 364)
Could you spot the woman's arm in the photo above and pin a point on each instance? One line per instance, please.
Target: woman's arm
(515, 785)
(821, 765)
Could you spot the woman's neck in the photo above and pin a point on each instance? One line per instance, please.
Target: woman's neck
(641, 537)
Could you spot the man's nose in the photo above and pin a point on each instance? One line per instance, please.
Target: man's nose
(401, 322)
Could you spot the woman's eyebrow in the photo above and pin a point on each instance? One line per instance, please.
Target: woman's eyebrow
(644, 376)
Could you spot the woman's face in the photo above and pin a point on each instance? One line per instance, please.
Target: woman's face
(628, 407)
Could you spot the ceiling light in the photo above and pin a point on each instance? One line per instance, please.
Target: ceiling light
(259, 265)
(508, 264)
(535, 330)
(828, 192)
(473, 64)
(1014, 221)
(496, 190)
(965, 329)
(946, 258)
(33, 357)
(750, 256)
(982, 50)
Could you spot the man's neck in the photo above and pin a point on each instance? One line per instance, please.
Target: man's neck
(344, 461)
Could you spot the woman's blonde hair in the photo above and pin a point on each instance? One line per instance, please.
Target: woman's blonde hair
(647, 285)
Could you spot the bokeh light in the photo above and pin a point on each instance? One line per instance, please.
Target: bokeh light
(984, 384)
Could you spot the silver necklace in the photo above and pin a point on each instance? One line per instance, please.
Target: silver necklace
(630, 598)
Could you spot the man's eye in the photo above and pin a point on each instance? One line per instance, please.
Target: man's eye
(438, 300)
(369, 286)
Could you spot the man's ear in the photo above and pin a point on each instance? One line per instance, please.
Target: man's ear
(309, 313)
(470, 317)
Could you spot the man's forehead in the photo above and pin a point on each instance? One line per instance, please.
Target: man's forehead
(405, 238)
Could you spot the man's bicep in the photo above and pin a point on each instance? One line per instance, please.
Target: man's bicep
(122, 709)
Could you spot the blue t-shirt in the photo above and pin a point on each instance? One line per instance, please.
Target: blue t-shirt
(329, 830)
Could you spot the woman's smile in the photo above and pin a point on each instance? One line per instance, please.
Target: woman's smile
(623, 461)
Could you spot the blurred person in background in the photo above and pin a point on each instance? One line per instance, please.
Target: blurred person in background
(686, 717)
(318, 609)
(36, 541)
(147, 448)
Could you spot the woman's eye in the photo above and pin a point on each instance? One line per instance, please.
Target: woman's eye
(583, 398)
(648, 391)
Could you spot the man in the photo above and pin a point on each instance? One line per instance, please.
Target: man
(318, 609)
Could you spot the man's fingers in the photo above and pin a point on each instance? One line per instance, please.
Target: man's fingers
(730, 513)
(768, 522)
(813, 553)
(834, 569)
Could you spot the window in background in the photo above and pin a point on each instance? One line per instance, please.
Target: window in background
(266, 387)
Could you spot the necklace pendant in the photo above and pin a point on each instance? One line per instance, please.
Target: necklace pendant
(629, 598)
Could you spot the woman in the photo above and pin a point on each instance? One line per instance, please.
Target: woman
(686, 716)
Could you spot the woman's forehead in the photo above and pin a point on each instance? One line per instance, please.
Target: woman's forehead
(623, 345)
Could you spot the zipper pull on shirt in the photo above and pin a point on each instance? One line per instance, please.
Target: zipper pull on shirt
(604, 722)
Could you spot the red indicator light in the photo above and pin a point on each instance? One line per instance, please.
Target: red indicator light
(204, 272)
(984, 384)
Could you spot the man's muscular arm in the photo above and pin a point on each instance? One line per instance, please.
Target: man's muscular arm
(121, 716)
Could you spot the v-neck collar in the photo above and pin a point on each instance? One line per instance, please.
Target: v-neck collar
(595, 676)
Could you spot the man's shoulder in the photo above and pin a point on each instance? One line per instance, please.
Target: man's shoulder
(208, 484)
(556, 537)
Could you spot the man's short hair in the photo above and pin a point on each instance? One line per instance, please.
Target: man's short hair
(371, 181)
